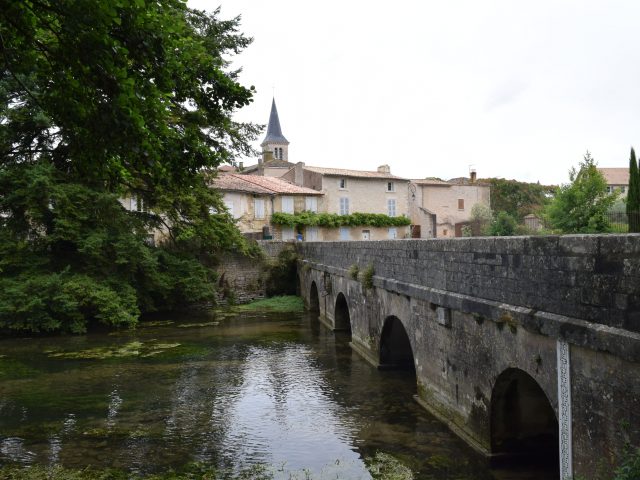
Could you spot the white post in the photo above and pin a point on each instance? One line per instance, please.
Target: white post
(564, 410)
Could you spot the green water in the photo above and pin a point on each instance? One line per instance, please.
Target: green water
(229, 390)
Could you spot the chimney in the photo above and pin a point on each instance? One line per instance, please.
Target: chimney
(384, 169)
(240, 166)
(299, 174)
(472, 174)
(267, 156)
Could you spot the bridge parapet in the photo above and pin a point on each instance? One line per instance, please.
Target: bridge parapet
(584, 288)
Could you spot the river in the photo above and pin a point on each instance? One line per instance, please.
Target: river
(226, 389)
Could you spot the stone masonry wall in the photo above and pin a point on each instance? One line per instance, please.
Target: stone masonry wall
(241, 278)
(594, 278)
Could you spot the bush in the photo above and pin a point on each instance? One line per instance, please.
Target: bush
(353, 271)
(366, 277)
(503, 225)
(281, 274)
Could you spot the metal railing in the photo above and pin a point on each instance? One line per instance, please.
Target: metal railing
(623, 222)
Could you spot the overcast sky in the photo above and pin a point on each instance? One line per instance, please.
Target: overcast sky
(518, 89)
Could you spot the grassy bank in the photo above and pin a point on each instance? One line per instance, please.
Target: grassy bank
(283, 304)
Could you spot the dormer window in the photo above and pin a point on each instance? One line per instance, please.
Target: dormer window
(391, 187)
(342, 183)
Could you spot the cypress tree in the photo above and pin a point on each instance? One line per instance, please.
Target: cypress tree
(633, 195)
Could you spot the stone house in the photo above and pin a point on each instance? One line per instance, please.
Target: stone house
(441, 208)
(252, 200)
(617, 179)
(350, 191)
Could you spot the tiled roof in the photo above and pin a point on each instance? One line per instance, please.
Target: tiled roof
(339, 172)
(451, 182)
(430, 181)
(260, 184)
(466, 181)
(235, 183)
(615, 176)
(270, 164)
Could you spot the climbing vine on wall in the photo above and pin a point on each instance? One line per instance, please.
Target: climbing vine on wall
(335, 220)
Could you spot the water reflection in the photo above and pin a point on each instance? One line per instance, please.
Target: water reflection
(257, 389)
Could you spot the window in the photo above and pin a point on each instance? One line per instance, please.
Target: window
(312, 234)
(311, 204)
(622, 189)
(287, 204)
(366, 234)
(391, 207)
(258, 204)
(342, 183)
(344, 234)
(461, 204)
(391, 187)
(229, 205)
(344, 205)
(287, 233)
(136, 204)
(609, 189)
(393, 233)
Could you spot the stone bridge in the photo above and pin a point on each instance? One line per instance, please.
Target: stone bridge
(524, 346)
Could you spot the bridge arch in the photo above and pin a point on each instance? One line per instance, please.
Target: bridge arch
(523, 422)
(395, 346)
(341, 316)
(314, 298)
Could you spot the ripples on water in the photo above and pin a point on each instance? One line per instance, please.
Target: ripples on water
(274, 389)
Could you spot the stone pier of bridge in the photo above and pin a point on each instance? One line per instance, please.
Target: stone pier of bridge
(522, 345)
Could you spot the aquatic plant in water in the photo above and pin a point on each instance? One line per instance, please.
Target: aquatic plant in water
(131, 349)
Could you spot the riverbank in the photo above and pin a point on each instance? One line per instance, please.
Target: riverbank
(381, 467)
(279, 304)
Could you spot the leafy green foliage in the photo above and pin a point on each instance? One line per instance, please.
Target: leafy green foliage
(629, 468)
(480, 221)
(283, 304)
(333, 220)
(503, 225)
(281, 273)
(581, 206)
(633, 195)
(518, 198)
(366, 277)
(353, 271)
(98, 101)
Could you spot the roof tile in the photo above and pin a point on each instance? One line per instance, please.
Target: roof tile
(615, 176)
(340, 172)
(260, 184)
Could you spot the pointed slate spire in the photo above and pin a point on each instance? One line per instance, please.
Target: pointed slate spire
(274, 132)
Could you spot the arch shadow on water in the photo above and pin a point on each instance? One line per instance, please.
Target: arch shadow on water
(395, 348)
(524, 427)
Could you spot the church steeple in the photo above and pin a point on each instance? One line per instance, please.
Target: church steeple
(274, 141)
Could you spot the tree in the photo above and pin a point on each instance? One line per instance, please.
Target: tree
(581, 206)
(518, 198)
(633, 195)
(481, 218)
(504, 225)
(100, 100)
